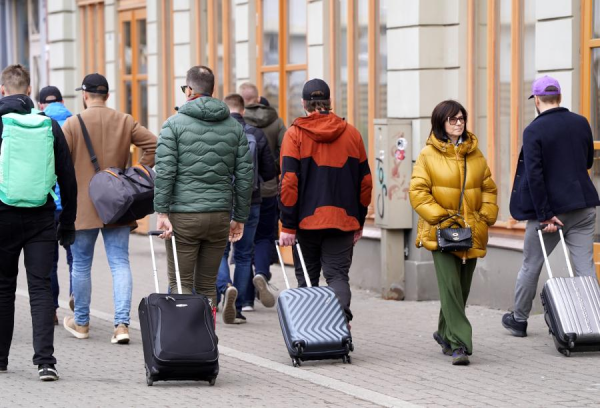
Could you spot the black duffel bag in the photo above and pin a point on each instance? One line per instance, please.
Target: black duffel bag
(120, 196)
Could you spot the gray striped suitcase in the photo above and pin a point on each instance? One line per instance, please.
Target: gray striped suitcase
(572, 308)
(312, 321)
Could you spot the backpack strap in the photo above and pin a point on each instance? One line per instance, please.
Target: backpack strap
(88, 143)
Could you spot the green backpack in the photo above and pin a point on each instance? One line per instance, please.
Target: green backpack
(27, 172)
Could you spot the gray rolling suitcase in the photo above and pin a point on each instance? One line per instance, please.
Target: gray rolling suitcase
(312, 321)
(572, 307)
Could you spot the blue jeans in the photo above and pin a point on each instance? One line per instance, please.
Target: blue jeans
(242, 254)
(116, 243)
(265, 237)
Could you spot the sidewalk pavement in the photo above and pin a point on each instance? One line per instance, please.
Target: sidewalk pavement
(396, 362)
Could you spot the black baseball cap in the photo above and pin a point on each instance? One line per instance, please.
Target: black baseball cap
(94, 83)
(51, 92)
(315, 90)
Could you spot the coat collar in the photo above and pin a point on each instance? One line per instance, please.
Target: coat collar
(467, 146)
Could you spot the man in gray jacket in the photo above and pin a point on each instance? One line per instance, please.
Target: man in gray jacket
(265, 118)
(203, 169)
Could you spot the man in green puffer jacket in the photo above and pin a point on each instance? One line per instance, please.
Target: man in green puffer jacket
(204, 176)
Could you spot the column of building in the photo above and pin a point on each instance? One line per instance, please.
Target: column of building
(61, 47)
(426, 64)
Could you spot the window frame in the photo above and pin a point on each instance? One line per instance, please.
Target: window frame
(92, 57)
(509, 226)
(283, 68)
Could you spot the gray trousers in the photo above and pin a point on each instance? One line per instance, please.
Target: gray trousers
(579, 236)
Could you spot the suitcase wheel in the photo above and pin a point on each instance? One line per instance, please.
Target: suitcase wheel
(347, 359)
(349, 346)
(299, 349)
(149, 380)
(566, 352)
(296, 362)
(212, 381)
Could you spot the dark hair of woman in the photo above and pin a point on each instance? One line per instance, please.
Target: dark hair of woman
(441, 113)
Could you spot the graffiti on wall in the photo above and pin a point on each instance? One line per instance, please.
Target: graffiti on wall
(393, 185)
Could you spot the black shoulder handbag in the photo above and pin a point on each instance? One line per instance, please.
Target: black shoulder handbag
(455, 239)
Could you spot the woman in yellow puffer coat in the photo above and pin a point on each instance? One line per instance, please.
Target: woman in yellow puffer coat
(435, 190)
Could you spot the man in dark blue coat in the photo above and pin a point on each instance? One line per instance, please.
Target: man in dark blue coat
(552, 187)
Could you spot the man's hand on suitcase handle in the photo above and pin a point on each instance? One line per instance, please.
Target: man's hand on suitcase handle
(287, 239)
(163, 224)
(551, 225)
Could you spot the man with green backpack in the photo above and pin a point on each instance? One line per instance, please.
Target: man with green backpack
(34, 156)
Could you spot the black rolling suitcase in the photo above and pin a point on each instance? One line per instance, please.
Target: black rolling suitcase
(178, 333)
(312, 321)
(572, 307)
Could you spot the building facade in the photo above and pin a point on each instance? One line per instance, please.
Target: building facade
(384, 59)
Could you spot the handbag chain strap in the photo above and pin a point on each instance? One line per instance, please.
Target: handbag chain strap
(462, 193)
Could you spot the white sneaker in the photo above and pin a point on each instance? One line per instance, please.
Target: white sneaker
(265, 294)
(229, 311)
(248, 309)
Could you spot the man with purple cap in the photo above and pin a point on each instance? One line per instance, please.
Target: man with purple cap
(552, 187)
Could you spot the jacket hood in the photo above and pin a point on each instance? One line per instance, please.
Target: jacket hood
(205, 108)
(322, 127)
(16, 104)
(58, 112)
(260, 115)
(470, 144)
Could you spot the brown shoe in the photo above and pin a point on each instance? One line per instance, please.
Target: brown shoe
(81, 332)
(121, 335)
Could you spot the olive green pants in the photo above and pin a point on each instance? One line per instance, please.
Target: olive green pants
(200, 239)
(454, 282)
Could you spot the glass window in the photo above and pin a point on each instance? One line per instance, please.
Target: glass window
(383, 61)
(595, 93)
(271, 88)
(128, 98)
(297, 32)
(219, 35)
(127, 49)
(529, 71)
(362, 120)
(340, 103)
(503, 136)
(478, 123)
(143, 105)
(296, 80)
(142, 61)
(596, 19)
(270, 32)
(232, 54)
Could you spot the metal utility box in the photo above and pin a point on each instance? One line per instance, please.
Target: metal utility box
(391, 174)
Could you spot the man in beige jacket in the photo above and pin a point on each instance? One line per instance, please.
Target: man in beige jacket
(111, 134)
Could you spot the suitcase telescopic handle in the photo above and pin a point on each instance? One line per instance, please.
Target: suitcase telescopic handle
(175, 260)
(306, 277)
(564, 246)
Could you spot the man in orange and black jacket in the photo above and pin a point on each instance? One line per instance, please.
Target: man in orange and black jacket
(325, 190)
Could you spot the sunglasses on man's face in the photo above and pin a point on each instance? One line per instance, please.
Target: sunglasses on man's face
(184, 88)
(454, 120)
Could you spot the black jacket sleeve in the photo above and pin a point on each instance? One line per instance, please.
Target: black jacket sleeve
(65, 173)
(266, 164)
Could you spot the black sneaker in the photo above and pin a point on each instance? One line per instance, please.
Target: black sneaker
(446, 348)
(47, 372)
(460, 357)
(239, 318)
(516, 328)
